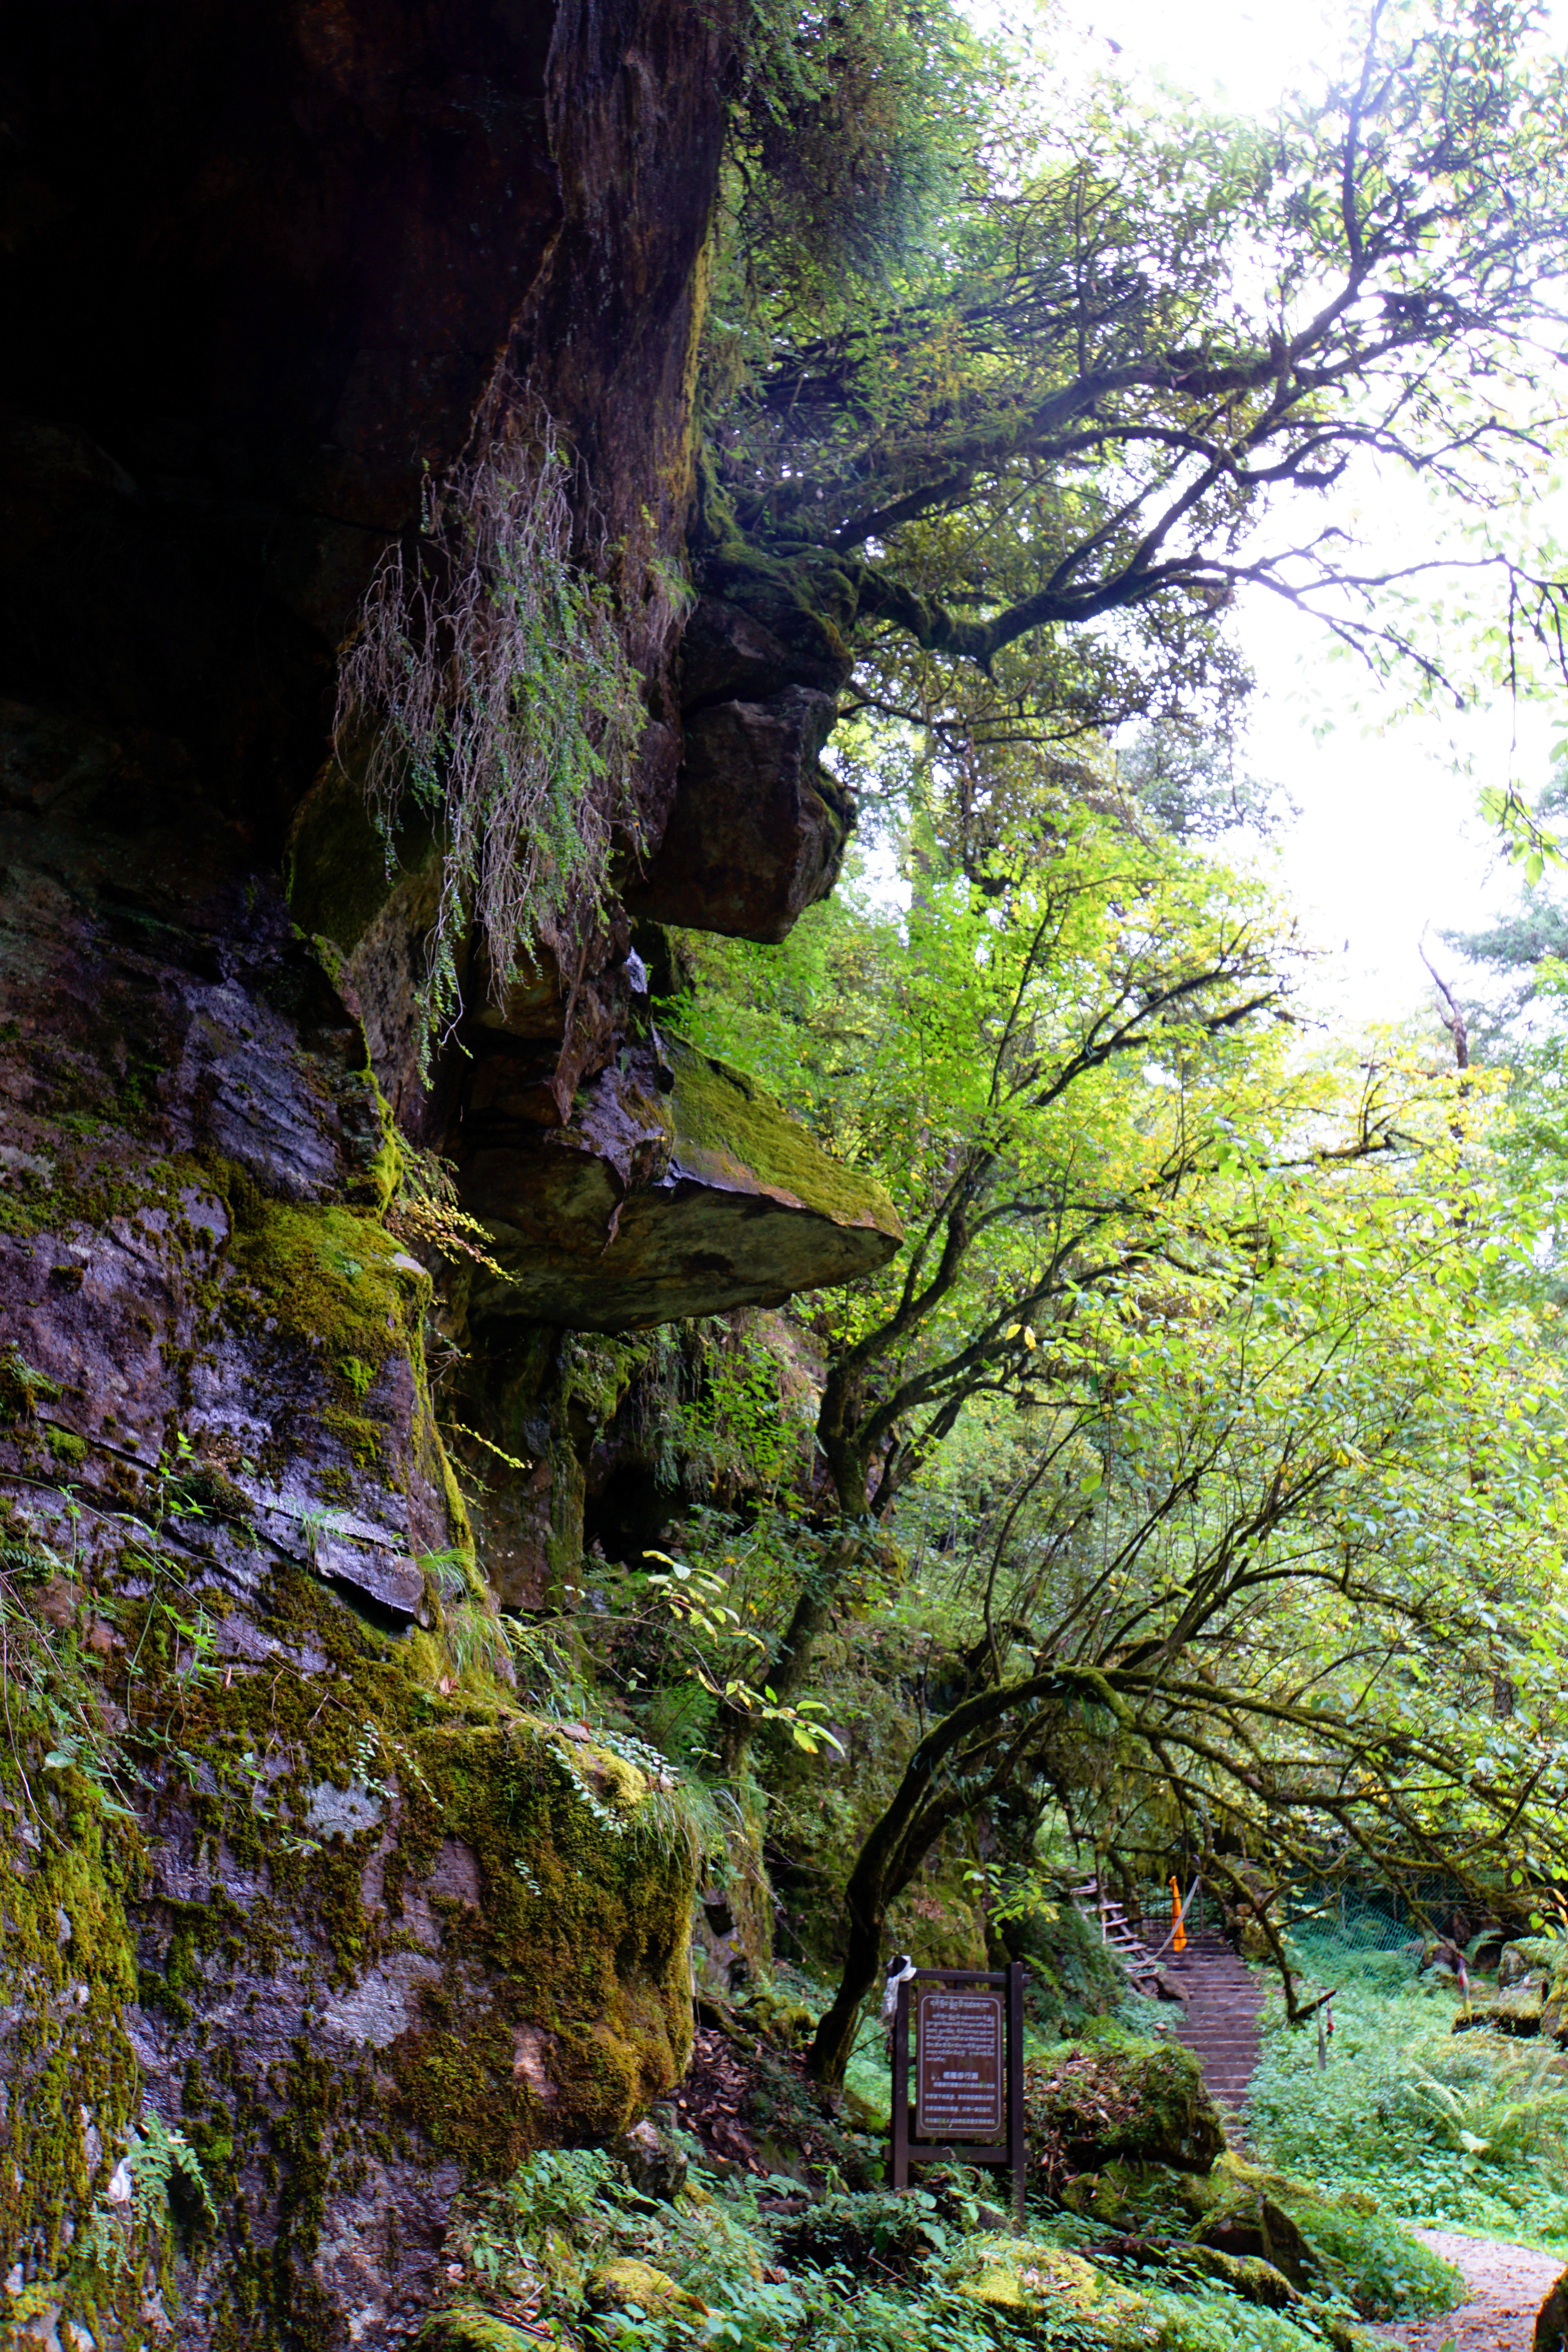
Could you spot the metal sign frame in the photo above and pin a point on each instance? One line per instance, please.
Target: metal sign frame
(906, 2149)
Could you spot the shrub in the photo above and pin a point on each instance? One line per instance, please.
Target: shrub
(892, 2231)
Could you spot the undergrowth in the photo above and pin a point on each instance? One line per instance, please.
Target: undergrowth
(1465, 2130)
(751, 2262)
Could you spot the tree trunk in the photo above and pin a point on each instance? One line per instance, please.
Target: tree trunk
(835, 2036)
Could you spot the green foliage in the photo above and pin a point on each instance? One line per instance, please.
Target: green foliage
(743, 2262)
(1192, 784)
(1072, 1975)
(1467, 2130)
(848, 125)
(137, 2208)
(487, 686)
(894, 2232)
(1027, 471)
(697, 1600)
(1169, 1412)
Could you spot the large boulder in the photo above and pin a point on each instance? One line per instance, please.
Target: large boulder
(758, 829)
(1551, 2320)
(1087, 2108)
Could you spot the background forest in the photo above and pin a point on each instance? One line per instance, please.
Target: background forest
(717, 778)
(1190, 1485)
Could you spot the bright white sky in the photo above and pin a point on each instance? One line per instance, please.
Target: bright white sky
(1388, 839)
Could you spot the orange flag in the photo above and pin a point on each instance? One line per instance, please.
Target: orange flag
(1178, 1934)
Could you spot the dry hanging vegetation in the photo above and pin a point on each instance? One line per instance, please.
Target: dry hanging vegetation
(489, 687)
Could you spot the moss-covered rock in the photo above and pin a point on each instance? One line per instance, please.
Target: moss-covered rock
(1141, 2104)
(1020, 2278)
(456, 1934)
(67, 1977)
(1248, 2275)
(626, 2285)
(1521, 2010)
(475, 2331)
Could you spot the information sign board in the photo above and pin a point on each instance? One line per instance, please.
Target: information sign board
(963, 2029)
(959, 2075)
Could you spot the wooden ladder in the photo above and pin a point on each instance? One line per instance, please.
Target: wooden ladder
(1130, 1949)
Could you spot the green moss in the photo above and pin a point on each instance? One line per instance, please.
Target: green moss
(323, 1275)
(728, 1133)
(1023, 2276)
(1145, 2103)
(474, 2331)
(22, 1390)
(67, 1969)
(808, 601)
(577, 1875)
(337, 873)
(378, 1187)
(360, 1438)
(558, 2005)
(65, 1445)
(1250, 2228)
(628, 2284)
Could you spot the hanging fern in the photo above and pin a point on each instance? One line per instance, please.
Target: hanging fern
(487, 686)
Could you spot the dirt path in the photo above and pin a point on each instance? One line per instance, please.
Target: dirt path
(1508, 2286)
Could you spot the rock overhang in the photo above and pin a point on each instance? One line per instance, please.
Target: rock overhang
(656, 1204)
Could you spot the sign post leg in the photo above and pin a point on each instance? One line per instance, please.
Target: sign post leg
(901, 2164)
(1015, 2142)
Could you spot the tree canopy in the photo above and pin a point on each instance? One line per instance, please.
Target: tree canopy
(1228, 1351)
(1115, 379)
(1244, 1333)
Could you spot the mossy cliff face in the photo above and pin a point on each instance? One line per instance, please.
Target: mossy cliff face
(295, 1897)
(407, 1939)
(376, 1932)
(284, 1862)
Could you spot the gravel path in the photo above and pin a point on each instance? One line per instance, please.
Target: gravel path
(1508, 2286)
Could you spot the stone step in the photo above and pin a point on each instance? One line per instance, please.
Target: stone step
(1219, 2018)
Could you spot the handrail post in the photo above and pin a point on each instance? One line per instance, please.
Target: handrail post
(901, 2117)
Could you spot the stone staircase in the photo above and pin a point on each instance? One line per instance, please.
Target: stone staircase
(1220, 2002)
(1220, 1996)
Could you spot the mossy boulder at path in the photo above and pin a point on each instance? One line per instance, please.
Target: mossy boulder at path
(1022, 2279)
(1085, 2108)
(626, 2285)
(678, 1188)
